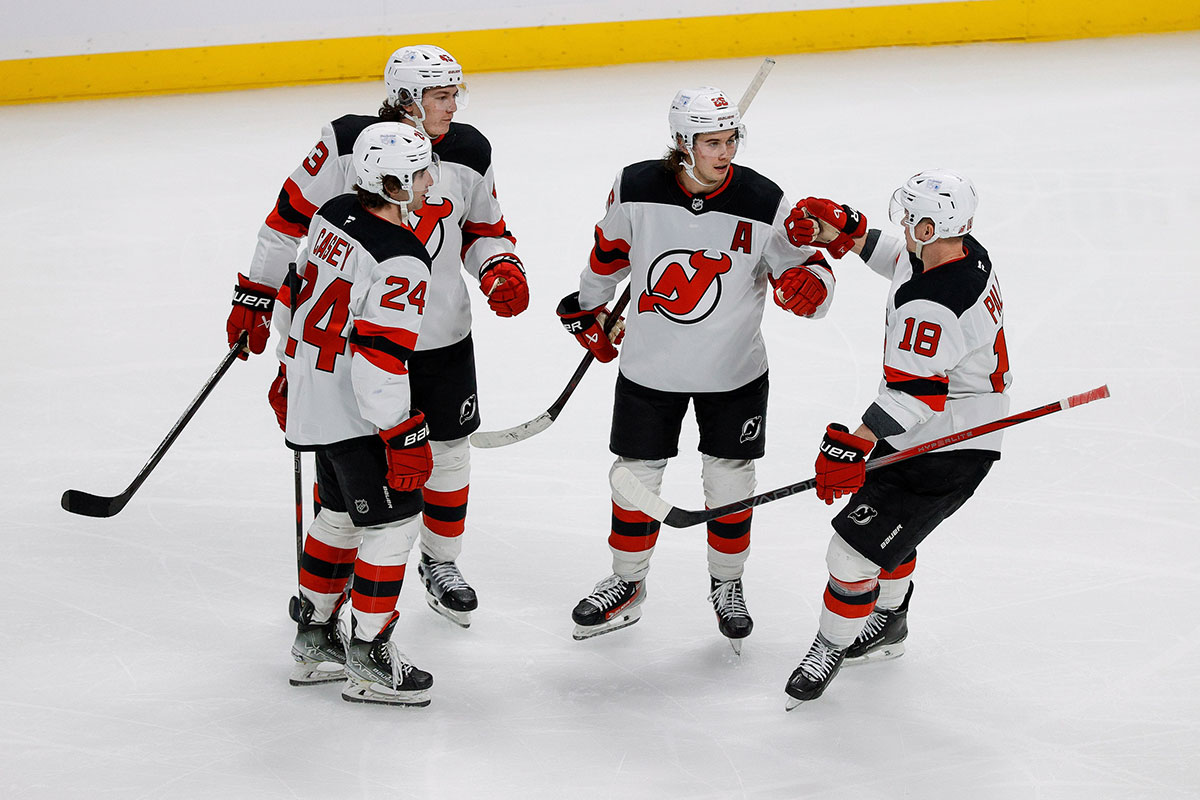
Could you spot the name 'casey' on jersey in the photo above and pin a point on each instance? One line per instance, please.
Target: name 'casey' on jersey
(698, 269)
(360, 308)
(945, 364)
(461, 223)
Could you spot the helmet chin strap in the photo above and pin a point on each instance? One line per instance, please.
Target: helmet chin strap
(689, 164)
(920, 246)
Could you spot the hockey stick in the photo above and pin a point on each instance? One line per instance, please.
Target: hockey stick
(633, 490)
(538, 424)
(90, 505)
(755, 84)
(293, 282)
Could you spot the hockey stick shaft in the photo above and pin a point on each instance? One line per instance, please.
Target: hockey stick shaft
(755, 84)
(633, 490)
(293, 279)
(539, 423)
(90, 505)
(557, 406)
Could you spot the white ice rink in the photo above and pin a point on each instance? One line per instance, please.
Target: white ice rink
(1054, 650)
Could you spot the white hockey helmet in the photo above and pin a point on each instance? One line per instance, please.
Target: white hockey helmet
(413, 69)
(391, 148)
(702, 110)
(942, 196)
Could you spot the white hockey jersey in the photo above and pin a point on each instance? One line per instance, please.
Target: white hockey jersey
(698, 269)
(945, 362)
(363, 296)
(461, 223)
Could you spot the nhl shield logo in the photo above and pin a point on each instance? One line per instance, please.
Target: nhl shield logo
(697, 204)
(361, 506)
(751, 429)
(466, 410)
(862, 515)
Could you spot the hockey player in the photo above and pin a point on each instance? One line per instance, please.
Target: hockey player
(700, 240)
(363, 299)
(463, 228)
(945, 369)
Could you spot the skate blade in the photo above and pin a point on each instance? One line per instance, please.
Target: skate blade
(378, 694)
(312, 674)
(623, 620)
(793, 703)
(736, 644)
(460, 618)
(885, 653)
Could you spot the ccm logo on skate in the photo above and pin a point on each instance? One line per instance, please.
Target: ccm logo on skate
(840, 453)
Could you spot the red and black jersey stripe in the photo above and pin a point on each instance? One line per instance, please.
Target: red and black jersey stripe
(387, 348)
(931, 391)
(609, 256)
(292, 213)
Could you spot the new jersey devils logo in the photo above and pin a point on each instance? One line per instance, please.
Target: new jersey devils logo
(684, 285)
(429, 228)
(466, 410)
(862, 515)
(751, 429)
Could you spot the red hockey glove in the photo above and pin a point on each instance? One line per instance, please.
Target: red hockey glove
(503, 281)
(252, 305)
(277, 397)
(798, 290)
(587, 327)
(410, 461)
(801, 230)
(841, 464)
(837, 225)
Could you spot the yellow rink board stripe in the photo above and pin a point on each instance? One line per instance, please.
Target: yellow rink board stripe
(220, 68)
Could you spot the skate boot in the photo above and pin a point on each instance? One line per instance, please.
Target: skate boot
(883, 636)
(612, 605)
(733, 619)
(377, 672)
(816, 670)
(446, 591)
(318, 649)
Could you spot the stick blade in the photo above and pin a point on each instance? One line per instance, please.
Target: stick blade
(518, 433)
(90, 505)
(626, 484)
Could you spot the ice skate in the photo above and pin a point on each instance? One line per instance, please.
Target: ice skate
(446, 591)
(816, 670)
(377, 672)
(318, 650)
(614, 604)
(733, 619)
(882, 636)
